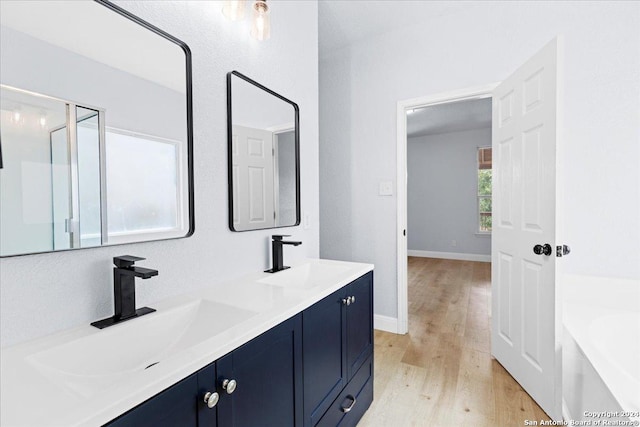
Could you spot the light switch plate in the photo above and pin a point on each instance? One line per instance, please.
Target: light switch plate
(386, 188)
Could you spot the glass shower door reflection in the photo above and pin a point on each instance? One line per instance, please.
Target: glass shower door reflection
(75, 181)
(61, 190)
(89, 191)
(52, 180)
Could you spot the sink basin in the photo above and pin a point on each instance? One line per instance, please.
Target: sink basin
(305, 275)
(104, 357)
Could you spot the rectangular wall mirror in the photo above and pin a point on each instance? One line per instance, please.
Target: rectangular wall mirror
(96, 135)
(264, 156)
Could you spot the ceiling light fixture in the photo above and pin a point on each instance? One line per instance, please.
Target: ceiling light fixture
(261, 28)
(233, 10)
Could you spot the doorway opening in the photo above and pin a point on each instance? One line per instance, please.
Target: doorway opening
(449, 176)
(526, 310)
(476, 94)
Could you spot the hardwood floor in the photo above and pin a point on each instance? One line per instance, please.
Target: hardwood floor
(441, 373)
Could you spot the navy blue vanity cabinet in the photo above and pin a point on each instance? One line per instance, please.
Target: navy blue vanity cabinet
(314, 369)
(338, 344)
(258, 384)
(324, 354)
(359, 323)
(353, 402)
(268, 379)
(180, 405)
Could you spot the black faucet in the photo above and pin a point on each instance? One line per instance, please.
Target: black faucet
(124, 291)
(276, 252)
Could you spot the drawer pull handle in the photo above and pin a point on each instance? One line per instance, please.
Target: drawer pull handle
(229, 386)
(350, 407)
(211, 399)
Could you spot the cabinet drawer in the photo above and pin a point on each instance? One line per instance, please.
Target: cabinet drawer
(357, 395)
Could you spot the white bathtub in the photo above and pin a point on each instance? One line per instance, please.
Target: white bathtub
(601, 348)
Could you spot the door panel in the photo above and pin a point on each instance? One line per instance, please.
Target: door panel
(268, 373)
(359, 323)
(504, 209)
(207, 417)
(324, 353)
(504, 314)
(175, 406)
(532, 287)
(526, 323)
(253, 178)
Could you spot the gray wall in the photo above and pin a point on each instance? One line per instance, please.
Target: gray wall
(361, 84)
(41, 294)
(442, 192)
(287, 178)
(131, 103)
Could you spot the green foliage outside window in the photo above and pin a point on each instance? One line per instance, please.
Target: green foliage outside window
(484, 203)
(484, 182)
(485, 222)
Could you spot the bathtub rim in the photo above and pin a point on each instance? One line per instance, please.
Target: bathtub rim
(577, 320)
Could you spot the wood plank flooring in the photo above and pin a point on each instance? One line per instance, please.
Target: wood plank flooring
(441, 373)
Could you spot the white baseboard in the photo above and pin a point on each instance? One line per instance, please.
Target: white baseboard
(385, 323)
(450, 255)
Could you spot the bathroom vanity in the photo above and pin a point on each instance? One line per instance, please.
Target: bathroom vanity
(292, 348)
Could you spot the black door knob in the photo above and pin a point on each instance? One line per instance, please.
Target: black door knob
(542, 249)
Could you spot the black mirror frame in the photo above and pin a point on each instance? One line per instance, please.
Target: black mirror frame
(230, 148)
(189, 108)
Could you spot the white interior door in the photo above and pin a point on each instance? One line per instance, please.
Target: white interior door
(526, 322)
(253, 182)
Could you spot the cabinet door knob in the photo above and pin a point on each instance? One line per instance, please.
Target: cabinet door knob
(229, 386)
(346, 301)
(353, 299)
(350, 407)
(211, 399)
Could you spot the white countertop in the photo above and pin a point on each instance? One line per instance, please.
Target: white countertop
(33, 396)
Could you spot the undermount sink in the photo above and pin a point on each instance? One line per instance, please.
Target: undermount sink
(305, 276)
(104, 357)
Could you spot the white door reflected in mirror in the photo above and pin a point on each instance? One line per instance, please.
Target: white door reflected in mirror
(263, 157)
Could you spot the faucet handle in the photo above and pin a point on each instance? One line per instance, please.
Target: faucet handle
(124, 261)
(279, 237)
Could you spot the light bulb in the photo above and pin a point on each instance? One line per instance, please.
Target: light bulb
(16, 116)
(261, 28)
(233, 10)
(43, 121)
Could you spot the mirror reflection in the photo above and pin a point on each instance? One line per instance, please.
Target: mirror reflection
(95, 137)
(264, 175)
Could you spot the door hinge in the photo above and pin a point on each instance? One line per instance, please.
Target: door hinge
(562, 250)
